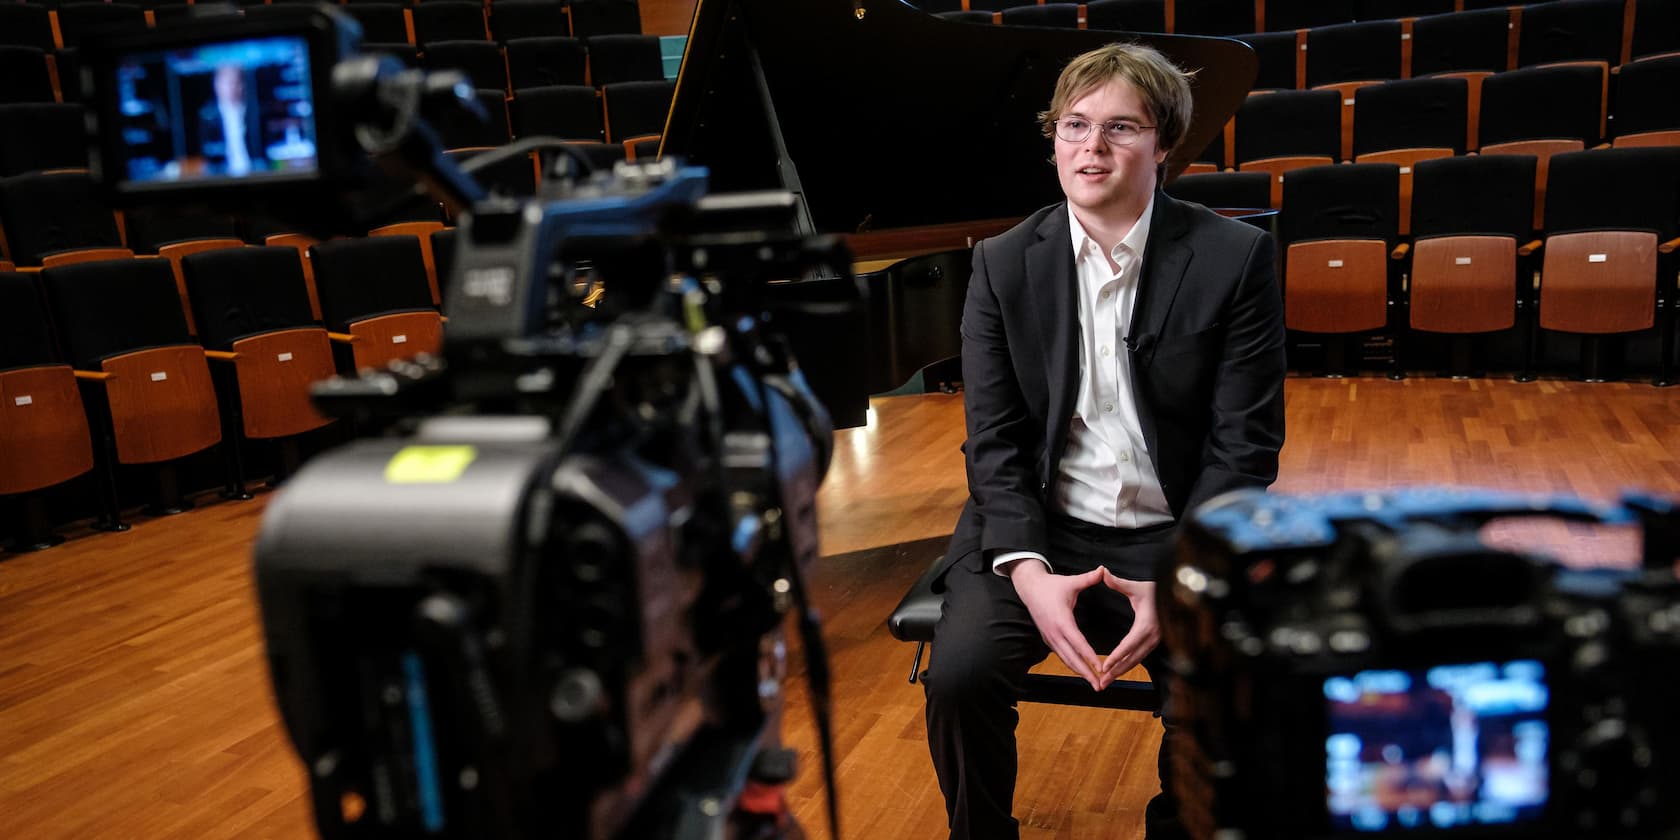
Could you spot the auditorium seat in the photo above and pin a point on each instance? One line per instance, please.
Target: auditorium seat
(1396, 9)
(173, 233)
(1476, 41)
(642, 149)
(535, 62)
(299, 243)
(982, 18)
(1472, 222)
(1647, 103)
(1571, 30)
(511, 19)
(406, 53)
(24, 25)
(515, 176)
(1280, 59)
(481, 61)
(1656, 28)
(1338, 229)
(149, 389)
(44, 437)
(1289, 15)
(624, 58)
(375, 299)
(1543, 111)
(1350, 56)
(460, 130)
(23, 75)
(1408, 121)
(47, 214)
(1286, 130)
(383, 23)
(1126, 15)
(42, 136)
(601, 156)
(605, 17)
(422, 232)
(635, 109)
(998, 5)
(1213, 17)
(1223, 189)
(1213, 157)
(1057, 15)
(78, 20)
(443, 259)
(253, 312)
(569, 112)
(1612, 227)
(448, 20)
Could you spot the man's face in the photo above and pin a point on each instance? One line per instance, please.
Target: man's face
(230, 84)
(1097, 175)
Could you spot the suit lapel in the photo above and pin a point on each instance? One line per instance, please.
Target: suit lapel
(1166, 258)
(1051, 275)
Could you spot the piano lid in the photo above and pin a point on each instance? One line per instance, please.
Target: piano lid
(885, 117)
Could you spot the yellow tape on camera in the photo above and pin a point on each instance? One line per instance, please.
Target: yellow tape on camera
(429, 464)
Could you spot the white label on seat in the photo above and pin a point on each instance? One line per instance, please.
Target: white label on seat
(25, 400)
(1405, 36)
(1461, 260)
(1405, 170)
(159, 376)
(399, 339)
(1348, 102)
(1335, 263)
(284, 357)
(1598, 257)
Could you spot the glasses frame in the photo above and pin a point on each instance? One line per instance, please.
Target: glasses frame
(1107, 127)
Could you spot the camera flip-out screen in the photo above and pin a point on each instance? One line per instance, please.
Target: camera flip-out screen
(235, 109)
(1450, 746)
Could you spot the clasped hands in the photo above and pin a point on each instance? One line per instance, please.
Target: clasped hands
(1050, 599)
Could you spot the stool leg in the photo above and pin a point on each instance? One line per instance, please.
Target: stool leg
(916, 666)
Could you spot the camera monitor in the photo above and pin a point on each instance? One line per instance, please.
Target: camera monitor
(220, 104)
(1445, 747)
(237, 109)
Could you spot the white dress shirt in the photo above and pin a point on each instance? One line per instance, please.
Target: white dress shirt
(1105, 476)
(233, 138)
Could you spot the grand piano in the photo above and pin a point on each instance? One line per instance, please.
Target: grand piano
(907, 133)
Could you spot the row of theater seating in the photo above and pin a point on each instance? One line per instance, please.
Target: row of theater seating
(1600, 262)
(1536, 110)
(50, 26)
(176, 356)
(1480, 41)
(1632, 28)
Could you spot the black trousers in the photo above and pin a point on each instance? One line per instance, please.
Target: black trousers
(983, 646)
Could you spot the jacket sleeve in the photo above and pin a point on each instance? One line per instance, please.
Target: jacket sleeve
(1001, 452)
(1248, 415)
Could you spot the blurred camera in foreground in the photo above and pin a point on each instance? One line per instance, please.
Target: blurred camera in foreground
(1437, 685)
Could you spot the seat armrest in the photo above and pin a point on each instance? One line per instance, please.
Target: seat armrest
(916, 614)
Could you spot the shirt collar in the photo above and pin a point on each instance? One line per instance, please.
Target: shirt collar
(1133, 240)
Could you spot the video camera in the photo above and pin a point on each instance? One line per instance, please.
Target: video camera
(1437, 684)
(548, 601)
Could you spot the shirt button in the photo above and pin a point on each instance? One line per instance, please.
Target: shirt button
(1108, 406)
(1106, 294)
(1125, 457)
(1105, 350)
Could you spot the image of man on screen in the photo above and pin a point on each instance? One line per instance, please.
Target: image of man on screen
(230, 125)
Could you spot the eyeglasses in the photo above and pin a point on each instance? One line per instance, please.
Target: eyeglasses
(1116, 132)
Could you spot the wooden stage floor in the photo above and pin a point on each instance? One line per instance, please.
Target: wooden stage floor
(134, 700)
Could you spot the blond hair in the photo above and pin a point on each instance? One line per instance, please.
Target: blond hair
(1164, 88)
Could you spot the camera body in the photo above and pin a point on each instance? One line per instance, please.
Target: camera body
(544, 596)
(1438, 686)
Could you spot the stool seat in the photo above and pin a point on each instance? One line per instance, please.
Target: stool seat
(918, 612)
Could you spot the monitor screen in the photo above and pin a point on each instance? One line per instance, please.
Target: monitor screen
(1438, 748)
(241, 109)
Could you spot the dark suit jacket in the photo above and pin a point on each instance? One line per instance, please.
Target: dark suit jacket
(1206, 348)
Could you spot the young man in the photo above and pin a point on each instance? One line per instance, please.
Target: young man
(1122, 363)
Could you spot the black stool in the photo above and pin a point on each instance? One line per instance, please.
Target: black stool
(913, 621)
